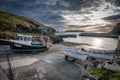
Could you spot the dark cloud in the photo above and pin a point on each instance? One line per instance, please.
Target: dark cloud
(114, 2)
(114, 17)
(50, 12)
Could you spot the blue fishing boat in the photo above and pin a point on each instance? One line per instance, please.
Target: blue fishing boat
(27, 43)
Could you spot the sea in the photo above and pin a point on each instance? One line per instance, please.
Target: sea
(98, 42)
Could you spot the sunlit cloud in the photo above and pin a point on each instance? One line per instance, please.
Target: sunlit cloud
(94, 18)
(81, 14)
(104, 10)
(74, 17)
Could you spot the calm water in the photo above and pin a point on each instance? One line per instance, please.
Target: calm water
(98, 42)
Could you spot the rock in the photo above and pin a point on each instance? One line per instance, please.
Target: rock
(116, 29)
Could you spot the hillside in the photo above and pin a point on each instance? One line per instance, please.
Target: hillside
(16, 23)
(116, 29)
(11, 24)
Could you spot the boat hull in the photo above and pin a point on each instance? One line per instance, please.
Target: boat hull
(4, 42)
(17, 47)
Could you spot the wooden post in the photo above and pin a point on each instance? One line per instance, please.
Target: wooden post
(118, 47)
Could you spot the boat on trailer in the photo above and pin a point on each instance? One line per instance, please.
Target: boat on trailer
(27, 43)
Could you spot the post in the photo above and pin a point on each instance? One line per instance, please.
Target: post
(118, 47)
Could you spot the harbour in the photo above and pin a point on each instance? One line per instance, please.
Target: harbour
(43, 64)
(60, 40)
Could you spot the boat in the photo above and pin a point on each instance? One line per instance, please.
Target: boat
(82, 52)
(28, 43)
(4, 42)
(97, 50)
(74, 55)
(83, 55)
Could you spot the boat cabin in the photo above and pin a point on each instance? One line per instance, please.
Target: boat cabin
(27, 40)
(25, 37)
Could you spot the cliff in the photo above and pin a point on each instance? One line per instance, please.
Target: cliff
(116, 29)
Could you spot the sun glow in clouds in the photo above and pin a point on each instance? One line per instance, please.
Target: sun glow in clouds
(93, 18)
(76, 19)
(99, 22)
(73, 17)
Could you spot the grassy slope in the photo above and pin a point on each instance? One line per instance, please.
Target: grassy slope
(10, 24)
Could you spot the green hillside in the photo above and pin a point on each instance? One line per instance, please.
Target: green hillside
(14, 23)
(11, 24)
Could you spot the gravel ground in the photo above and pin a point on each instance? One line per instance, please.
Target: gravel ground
(50, 66)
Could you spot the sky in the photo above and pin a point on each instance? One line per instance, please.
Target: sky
(88, 15)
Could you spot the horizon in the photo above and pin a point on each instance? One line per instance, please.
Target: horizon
(87, 15)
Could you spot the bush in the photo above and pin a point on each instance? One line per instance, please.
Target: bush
(104, 74)
(8, 35)
(55, 38)
(99, 72)
(115, 76)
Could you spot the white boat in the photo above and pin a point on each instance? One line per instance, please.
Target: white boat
(76, 55)
(82, 55)
(93, 49)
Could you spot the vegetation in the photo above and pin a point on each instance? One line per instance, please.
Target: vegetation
(14, 23)
(104, 74)
(115, 76)
(55, 38)
(99, 72)
(11, 25)
(8, 35)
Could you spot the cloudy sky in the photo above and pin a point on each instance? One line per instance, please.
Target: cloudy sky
(89, 15)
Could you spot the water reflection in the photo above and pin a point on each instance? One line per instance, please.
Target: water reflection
(97, 43)
(100, 42)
